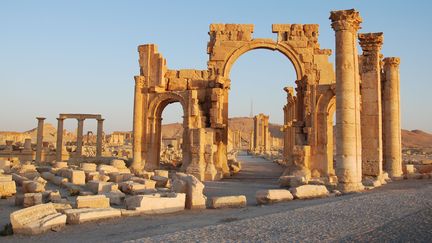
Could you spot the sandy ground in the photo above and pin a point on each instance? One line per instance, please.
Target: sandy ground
(399, 211)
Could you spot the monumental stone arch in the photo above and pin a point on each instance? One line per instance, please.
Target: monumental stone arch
(357, 83)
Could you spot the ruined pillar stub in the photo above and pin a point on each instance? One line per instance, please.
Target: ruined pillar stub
(39, 139)
(348, 134)
(391, 117)
(80, 137)
(99, 137)
(371, 112)
(59, 144)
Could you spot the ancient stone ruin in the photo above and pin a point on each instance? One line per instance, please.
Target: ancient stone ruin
(363, 91)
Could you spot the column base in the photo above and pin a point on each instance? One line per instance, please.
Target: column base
(397, 178)
(350, 187)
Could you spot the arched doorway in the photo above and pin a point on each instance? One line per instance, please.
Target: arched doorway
(172, 135)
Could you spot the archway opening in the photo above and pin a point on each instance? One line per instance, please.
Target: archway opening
(171, 137)
(256, 115)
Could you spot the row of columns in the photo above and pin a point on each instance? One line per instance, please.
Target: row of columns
(349, 131)
(59, 143)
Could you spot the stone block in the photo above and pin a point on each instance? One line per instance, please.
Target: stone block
(47, 176)
(160, 181)
(76, 177)
(5, 165)
(33, 186)
(7, 188)
(118, 163)
(5, 178)
(36, 219)
(88, 167)
(292, 181)
(19, 179)
(58, 180)
(116, 197)
(99, 187)
(60, 165)
(54, 196)
(309, 191)
(273, 196)
(195, 198)
(61, 207)
(228, 202)
(118, 177)
(106, 169)
(97, 201)
(31, 199)
(82, 215)
(155, 204)
(130, 187)
(409, 169)
(371, 182)
(163, 173)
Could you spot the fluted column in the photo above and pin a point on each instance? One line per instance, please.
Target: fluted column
(138, 124)
(391, 118)
(79, 137)
(99, 137)
(371, 112)
(39, 139)
(348, 134)
(59, 145)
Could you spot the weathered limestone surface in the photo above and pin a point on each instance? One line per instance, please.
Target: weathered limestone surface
(348, 127)
(98, 187)
(97, 201)
(194, 189)
(228, 202)
(82, 215)
(36, 219)
(7, 188)
(155, 204)
(273, 196)
(309, 191)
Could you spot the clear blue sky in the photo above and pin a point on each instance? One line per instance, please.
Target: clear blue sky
(81, 56)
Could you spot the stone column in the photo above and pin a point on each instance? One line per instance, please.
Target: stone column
(99, 138)
(348, 133)
(138, 125)
(391, 118)
(79, 137)
(59, 145)
(39, 139)
(371, 112)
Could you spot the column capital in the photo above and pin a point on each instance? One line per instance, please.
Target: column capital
(140, 81)
(80, 119)
(100, 120)
(371, 42)
(391, 61)
(40, 118)
(345, 20)
(60, 119)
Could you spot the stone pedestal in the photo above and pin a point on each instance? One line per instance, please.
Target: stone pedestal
(348, 133)
(391, 118)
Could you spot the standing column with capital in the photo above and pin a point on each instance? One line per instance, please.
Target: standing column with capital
(80, 130)
(137, 164)
(391, 118)
(371, 112)
(99, 138)
(348, 133)
(39, 140)
(59, 145)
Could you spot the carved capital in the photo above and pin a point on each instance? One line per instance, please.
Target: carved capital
(345, 20)
(139, 81)
(391, 61)
(371, 43)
